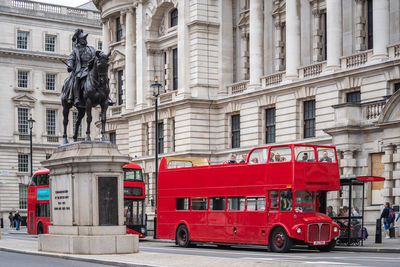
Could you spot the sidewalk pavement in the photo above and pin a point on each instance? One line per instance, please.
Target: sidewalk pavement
(164, 259)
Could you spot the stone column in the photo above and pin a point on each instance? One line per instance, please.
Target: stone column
(244, 44)
(225, 50)
(106, 34)
(396, 175)
(142, 81)
(387, 159)
(279, 46)
(292, 39)
(183, 50)
(317, 36)
(334, 35)
(130, 59)
(360, 26)
(256, 43)
(381, 28)
(347, 164)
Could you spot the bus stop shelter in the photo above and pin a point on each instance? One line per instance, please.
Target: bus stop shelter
(352, 231)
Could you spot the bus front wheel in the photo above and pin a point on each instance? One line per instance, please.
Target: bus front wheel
(40, 229)
(279, 241)
(182, 236)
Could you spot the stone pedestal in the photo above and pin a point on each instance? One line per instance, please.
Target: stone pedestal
(86, 201)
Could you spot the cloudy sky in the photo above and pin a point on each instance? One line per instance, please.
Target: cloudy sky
(73, 3)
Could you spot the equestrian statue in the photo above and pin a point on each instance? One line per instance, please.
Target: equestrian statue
(87, 86)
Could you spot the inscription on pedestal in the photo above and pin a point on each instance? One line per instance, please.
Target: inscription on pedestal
(108, 201)
(61, 200)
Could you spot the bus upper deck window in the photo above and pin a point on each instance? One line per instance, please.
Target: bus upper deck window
(304, 153)
(326, 154)
(280, 154)
(258, 156)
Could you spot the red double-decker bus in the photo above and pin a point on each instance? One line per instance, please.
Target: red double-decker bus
(273, 199)
(134, 196)
(39, 203)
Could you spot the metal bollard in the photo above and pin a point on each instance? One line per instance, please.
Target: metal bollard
(378, 231)
(2, 223)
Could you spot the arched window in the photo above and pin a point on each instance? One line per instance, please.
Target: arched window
(174, 17)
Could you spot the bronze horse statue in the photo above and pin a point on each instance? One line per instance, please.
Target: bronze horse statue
(96, 91)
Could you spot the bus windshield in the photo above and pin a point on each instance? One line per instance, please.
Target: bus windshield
(133, 175)
(40, 179)
(304, 201)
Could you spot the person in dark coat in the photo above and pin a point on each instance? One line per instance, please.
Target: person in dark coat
(11, 218)
(386, 221)
(17, 220)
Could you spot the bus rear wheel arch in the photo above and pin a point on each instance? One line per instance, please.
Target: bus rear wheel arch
(279, 241)
(40, 229)
(182, 236)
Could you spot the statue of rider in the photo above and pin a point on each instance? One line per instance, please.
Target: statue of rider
(79, 63)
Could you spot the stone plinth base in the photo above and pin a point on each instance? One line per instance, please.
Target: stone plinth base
(85, 244)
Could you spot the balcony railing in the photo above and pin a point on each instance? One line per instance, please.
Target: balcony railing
(273, 79)
(237, 88)
(394, 50)
(55, 9)
(355, 60)
(312, 70)
(373, 110)
(52, 139)
(115, 111)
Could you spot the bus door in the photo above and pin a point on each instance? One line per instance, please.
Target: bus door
(280, 206)
(134, 214)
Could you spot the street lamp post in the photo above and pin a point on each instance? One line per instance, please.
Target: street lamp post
(30, 123)
(156, 92)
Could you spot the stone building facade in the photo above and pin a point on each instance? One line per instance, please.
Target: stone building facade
(238, 74)
(35, 37)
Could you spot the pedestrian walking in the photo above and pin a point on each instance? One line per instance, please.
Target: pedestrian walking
(11, 218)
(17, 219)
(388, 216)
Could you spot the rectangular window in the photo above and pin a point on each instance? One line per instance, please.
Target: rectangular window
(217, 203)
(182, 204)
(160, 137)
(175, 69)
(304, 201)
(286, 200)
(23, 120)
(118, 29)
(255, 203)
(353, 97)
(120, 87)
(396, 87)
(199, 203)
(273, 200)
(174, 17)
(23, 163)
(74, 120)
(23, 77)
(309, 118)
(235, 131)
(236, 203)
(270, 125)
(22, 40)
(50, 82)
(51, 122)
(173, 135)
(23, 196)
(324, 49)
(42, 210)
(113, 138)
(370, 24)
(99, 45)
(50, 43)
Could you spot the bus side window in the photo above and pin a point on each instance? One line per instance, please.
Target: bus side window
(273, 199)
(199, 203)
(33, 181)
(236, 203)
(217, 203)
(286, 200)
(255, 203)
(182, 203)
(280, 154)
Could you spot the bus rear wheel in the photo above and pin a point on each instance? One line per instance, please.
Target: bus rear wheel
(279, 241)
(182, 236)
(40, 229)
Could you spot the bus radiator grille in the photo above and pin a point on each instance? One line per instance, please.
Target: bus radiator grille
(318, 232)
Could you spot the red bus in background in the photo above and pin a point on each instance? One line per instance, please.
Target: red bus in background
(273, 199)
(39, 203)
(134, 196)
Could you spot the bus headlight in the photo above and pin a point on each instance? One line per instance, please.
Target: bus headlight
(142, 230)
(335, 229)
(298, 230)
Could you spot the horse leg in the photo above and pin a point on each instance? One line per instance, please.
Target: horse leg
(104, 108)
(88, 118)
(81, 113)
(66, 108)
